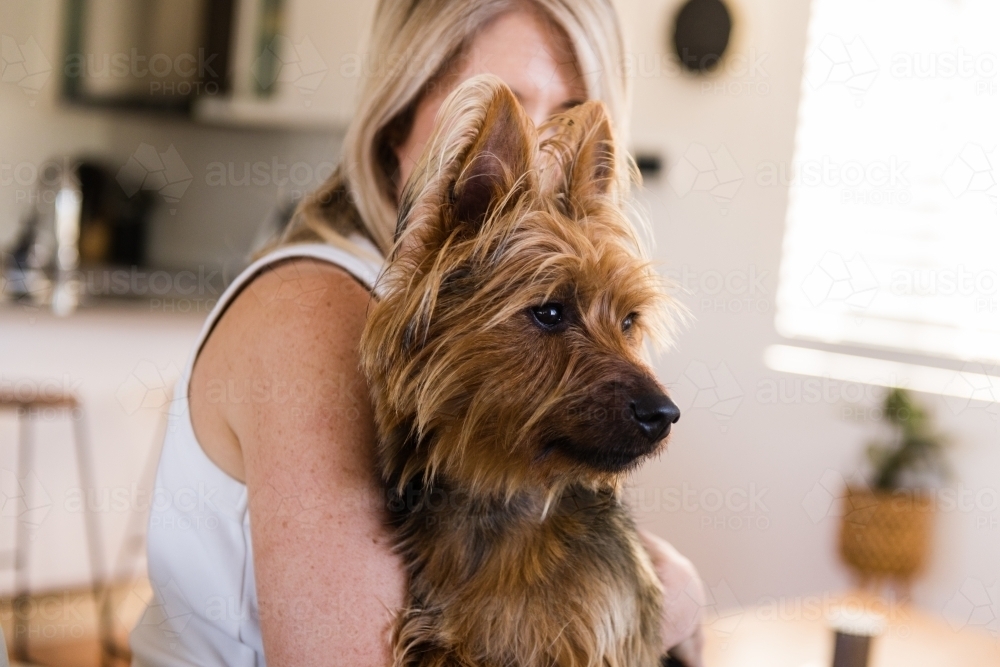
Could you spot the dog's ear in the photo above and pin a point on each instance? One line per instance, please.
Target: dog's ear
(478, 158)
(579, 161)
(496, 165)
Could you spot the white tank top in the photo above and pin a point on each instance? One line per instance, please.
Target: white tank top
(204, 607)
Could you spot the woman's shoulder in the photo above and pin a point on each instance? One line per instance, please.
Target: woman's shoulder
(298, 291)
(287, 343)
(291, 310)
(302, 288)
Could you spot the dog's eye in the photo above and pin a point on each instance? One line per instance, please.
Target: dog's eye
(629, 321)
(547, 315)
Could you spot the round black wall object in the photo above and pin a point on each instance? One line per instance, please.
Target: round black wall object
(701, 34)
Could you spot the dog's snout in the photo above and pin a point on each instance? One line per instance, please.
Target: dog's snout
(654, 413)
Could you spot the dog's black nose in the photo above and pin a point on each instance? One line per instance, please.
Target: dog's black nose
(654, 413)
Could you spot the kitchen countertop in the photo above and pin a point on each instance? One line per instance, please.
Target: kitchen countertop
(117, 306)
(119, 289)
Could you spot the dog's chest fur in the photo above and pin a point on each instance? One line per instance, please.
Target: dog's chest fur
(496, 583)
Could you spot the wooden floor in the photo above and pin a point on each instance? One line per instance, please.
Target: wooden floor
(797, 634)
(63, 629)
(84, 653)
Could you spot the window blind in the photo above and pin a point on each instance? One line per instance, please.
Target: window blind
(892, 237)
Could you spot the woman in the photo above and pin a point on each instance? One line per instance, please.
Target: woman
(272, 418)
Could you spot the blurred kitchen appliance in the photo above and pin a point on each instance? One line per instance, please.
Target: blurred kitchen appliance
(112, 225)
(81, 219)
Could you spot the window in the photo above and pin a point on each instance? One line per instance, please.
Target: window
(890, 267)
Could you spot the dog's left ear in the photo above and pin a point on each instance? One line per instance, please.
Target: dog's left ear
(579, 161)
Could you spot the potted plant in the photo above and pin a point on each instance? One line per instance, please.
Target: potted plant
(886, 528)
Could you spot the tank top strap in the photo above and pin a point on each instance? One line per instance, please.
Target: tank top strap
(364, 265)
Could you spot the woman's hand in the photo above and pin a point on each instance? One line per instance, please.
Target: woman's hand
(683, 598)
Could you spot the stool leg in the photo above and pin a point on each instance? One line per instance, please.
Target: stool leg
(22, 601)
(95, 547)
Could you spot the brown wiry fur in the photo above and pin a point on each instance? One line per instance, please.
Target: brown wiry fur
(503, 445)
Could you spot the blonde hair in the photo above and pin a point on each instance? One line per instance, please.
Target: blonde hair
(412, 42)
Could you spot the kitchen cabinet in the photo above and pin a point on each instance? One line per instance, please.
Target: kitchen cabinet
(294, 63)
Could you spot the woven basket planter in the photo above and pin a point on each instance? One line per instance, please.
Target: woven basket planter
(885, 534)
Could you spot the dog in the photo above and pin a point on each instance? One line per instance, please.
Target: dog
(511, 392)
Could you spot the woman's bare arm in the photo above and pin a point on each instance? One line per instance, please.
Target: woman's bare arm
(280, 374)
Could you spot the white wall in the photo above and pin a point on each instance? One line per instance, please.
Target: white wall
(33, 130)
(741, 440)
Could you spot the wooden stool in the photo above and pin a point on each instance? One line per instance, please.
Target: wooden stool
(25, 408)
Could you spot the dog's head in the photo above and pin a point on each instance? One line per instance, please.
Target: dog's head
(506, 348)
